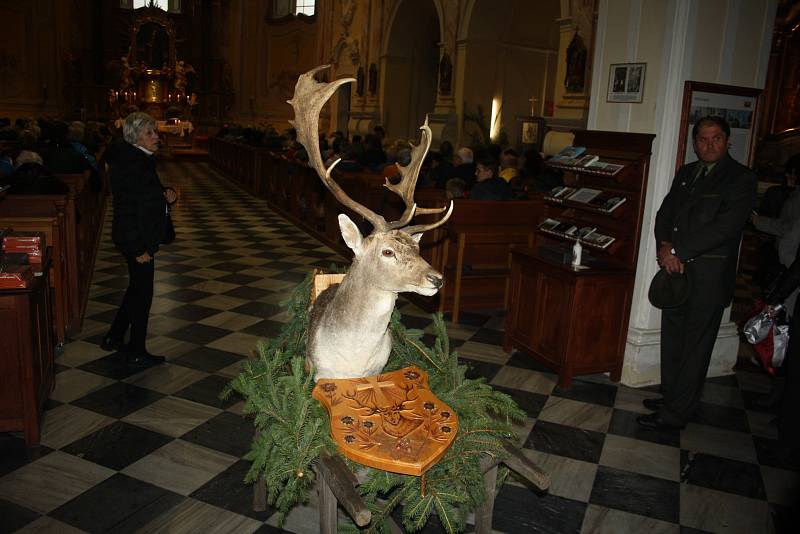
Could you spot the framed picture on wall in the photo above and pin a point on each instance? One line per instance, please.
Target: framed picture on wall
(626, 82)
(737, 105)
(530, 133)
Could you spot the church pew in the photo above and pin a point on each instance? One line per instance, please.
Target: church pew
(62, 207)
(90, 209)
(53, 228)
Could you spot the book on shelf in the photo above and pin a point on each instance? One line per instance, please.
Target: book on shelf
(607, 203)
(599, 240)
(562, 191)
(605, 167)
(586, 160)
(565, 228)
(584, 195)
(568, 155)
(549, 224)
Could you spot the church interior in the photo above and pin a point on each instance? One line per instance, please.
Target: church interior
(582, 112)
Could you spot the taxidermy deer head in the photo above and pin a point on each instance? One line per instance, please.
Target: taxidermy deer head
(348, 334)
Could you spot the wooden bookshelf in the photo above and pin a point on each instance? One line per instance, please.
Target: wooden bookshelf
(575, 321)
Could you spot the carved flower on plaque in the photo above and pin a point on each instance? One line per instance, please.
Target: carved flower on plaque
(391, 421)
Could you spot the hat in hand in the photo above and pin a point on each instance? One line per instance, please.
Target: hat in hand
(668, 290)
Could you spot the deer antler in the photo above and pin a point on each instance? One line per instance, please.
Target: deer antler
(408, 182)
(309, 98)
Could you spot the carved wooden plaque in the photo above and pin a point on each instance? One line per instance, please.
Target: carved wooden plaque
(391, 421)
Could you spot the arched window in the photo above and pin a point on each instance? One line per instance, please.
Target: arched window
(285, 8)
(173, 6)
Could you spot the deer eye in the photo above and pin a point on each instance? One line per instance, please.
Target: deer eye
(387, 253)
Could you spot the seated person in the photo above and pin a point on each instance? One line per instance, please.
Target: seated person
(456, 188)
(75, 136)
(403, 158)
(489, 186)
(32, 178)
(374, 157)
(464, 166)
(508, 165)
(59, 156)
(539, 177)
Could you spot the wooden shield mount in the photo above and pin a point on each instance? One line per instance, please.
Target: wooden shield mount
(391, 421)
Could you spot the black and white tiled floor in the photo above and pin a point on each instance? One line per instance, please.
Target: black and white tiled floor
(126, 450)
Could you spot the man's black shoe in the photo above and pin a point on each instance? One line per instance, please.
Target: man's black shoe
(109, 344)
(653, 404)
(655, 422)
(144, 359)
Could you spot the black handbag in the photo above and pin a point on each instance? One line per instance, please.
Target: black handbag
(169, 228)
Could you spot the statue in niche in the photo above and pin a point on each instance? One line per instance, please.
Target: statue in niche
(575, 79)
(445, 74)
(360, 81)
(372, 83)
(181, 70)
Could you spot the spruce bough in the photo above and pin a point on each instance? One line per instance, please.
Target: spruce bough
(292, 428)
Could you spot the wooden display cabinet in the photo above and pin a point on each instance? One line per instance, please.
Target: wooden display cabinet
(575, 321)
(26, 356)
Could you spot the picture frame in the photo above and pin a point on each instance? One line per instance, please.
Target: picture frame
(530, 133)
(626, 82)
(737, 105)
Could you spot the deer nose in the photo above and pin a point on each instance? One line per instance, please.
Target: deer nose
(436, 280)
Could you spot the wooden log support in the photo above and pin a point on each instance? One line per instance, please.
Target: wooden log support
(337, 485)
(342, 483)
(484, 512)
(260, 494)
(522, 465)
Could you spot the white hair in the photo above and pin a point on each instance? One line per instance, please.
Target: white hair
(136, 123)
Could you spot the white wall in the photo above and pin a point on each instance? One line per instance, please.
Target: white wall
(718, 41)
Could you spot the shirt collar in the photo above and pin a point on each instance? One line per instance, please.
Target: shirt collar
(143, 149)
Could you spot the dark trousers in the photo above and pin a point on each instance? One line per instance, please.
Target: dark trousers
(135, 308)
(688, 334)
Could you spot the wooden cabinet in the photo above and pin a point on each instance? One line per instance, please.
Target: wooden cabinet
(26, 356)
(575, 321)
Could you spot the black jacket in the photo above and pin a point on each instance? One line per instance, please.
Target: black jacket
(139, 204)
(704, 223)
(786, 283)
(492, 189)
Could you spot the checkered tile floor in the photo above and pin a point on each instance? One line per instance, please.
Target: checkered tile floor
(127, 450)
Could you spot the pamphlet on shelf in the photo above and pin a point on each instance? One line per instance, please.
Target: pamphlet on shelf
(605, 167)
(567, 155)
(584, 195)
(584, 232)
(565, 228)
(613, 203)
(598, 240)
(562, 192)
(549, 224)
(586, 160)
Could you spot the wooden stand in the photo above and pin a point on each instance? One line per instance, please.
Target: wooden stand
(26, 356)
(337, 485)
(575, 321)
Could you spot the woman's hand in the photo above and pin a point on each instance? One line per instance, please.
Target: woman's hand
(144, 258)
(170, 195)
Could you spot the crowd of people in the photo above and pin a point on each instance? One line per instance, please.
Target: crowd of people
(479, 173)
(34, 151)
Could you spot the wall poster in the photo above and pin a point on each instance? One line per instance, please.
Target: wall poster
(737, 105)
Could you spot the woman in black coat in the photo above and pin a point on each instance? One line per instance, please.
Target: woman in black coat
(140, 216)
(788, 430)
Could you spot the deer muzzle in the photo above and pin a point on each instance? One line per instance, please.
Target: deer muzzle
(436, 280)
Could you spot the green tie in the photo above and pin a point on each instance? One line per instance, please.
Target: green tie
(700, 175)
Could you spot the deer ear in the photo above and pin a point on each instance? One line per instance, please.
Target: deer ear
(416, 237)
(350, 233)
